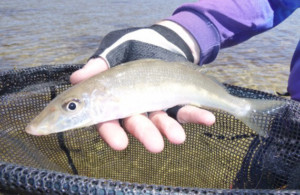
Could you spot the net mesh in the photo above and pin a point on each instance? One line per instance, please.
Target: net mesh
(227, 155)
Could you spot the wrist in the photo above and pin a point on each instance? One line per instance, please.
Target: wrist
(202, 30)
(186, 37)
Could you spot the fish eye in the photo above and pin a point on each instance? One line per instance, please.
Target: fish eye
(71, 105)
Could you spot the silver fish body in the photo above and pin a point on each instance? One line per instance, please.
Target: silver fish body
(143, 86)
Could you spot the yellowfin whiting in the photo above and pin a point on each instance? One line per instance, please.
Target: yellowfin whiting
(144, 86)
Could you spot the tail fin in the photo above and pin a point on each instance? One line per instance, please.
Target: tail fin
(262, 114)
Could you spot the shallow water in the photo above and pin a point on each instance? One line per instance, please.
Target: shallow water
(36, 32)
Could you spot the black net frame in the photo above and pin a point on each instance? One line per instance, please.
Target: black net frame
(28, 180)
(227, 158)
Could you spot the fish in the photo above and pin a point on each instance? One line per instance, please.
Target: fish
(143, 86)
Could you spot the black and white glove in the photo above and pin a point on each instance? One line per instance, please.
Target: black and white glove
(130, 44)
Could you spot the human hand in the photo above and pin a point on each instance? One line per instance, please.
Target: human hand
(147, 129)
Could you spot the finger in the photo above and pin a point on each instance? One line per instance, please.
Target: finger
(146, 132)
(168, 127)
(113, 134)
(191, 114)
(93, 67)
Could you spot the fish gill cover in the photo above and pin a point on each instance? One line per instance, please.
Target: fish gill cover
(227, 155)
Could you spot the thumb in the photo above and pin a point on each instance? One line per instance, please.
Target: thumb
(93, 67)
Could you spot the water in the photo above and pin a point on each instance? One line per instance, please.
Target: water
(35, 33)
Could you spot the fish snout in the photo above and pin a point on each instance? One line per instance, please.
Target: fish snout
(33, 130)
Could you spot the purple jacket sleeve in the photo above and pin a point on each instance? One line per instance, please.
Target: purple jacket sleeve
(218, 24)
